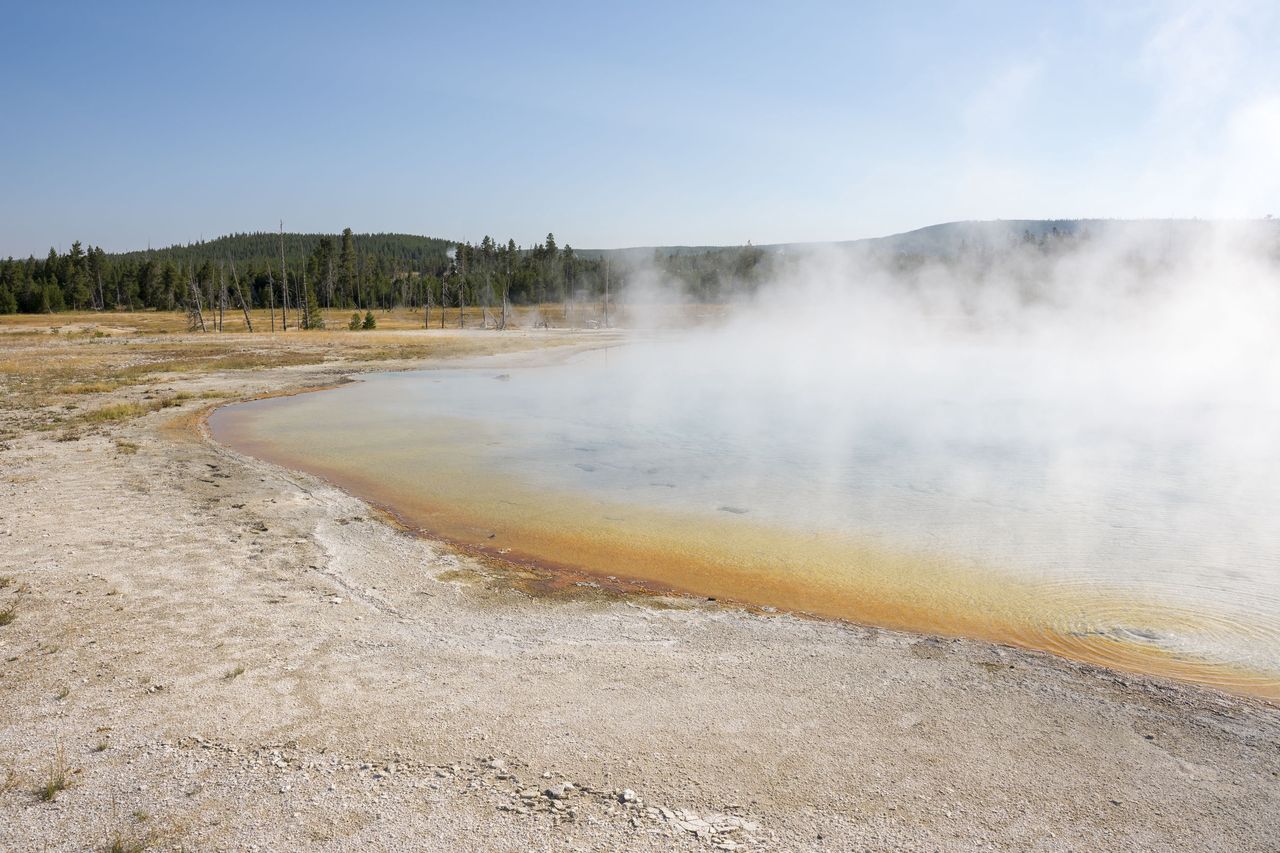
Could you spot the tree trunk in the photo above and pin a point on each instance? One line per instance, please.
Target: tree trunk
(462, 298)
(284, 285)
(359, 278)
(195, 294)
(222, 296)
(235, 280)
(302, 298)
(506, 290)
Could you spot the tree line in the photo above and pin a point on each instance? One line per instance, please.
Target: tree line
(299, 274)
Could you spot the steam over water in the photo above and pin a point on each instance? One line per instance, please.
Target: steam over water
(1099, 483)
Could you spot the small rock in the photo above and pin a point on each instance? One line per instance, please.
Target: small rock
(627, 796)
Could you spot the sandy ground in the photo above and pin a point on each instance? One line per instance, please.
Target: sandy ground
(218, 654)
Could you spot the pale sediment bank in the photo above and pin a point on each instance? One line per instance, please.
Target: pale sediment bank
(263, 662)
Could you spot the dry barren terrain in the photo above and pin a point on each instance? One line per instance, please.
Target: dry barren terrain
(199, 650)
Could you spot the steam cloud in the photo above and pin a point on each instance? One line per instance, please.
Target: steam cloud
(1104, 408)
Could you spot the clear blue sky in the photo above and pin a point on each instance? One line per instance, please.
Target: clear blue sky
(693, 122)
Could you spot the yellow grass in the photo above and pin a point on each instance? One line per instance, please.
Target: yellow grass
(90, 388)
(85, 369)
(112, 324)
(116, 412)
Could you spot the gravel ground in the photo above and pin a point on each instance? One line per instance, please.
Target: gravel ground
(214, 653)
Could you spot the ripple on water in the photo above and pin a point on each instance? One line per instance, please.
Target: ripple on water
(1231, 645)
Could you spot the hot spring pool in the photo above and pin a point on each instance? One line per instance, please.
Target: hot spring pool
(960, 491)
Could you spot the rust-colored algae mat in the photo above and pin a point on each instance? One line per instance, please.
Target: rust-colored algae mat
(433, 483)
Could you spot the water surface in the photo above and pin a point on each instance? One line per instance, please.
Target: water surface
(963, 492)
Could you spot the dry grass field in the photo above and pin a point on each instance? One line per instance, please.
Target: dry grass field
(57, 369)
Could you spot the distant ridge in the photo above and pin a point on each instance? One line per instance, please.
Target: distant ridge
(389, 270)
(941, 239)
(949, 238)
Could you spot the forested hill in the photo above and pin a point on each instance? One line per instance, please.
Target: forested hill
(264, 247)
(386, 270)
(262, 269)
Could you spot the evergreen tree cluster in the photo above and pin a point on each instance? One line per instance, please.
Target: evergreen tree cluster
(57, 282)
(362, 271)
(366, 272)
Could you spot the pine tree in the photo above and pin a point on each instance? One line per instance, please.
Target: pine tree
(77, 276)
(314, 319)
(347, 268)
(355, 321)
(369, 322)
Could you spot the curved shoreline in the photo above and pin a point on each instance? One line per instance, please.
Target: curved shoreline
(247, 655)
(538, 573)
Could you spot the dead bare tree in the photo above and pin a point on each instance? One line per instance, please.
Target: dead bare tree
(460, 287)
(271, 297)
(302, 298)
(222, 296)
(488, 300)
(235, 281)
(195, 315)
(284, 285)
(444, 296)
(506, 288)
(426, 302)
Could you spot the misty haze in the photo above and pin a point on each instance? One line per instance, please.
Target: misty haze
(1080, 432)
(640, 427)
